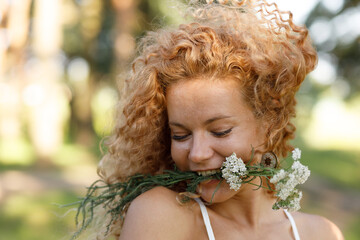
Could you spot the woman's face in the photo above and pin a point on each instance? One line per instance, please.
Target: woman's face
(209, 120)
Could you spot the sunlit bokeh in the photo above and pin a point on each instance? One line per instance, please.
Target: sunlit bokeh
(62, 62)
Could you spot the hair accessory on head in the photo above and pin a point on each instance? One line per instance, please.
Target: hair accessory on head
(218, 1)
(224, 2)
(269, 159)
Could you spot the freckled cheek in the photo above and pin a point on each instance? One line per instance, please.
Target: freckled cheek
(240, 145)
(226, 146)
(179, 153)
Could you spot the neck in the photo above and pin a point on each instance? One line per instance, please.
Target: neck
(248, 207)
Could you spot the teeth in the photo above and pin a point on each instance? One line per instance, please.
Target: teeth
(208, 173)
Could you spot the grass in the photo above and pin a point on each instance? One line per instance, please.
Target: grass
(341, 168)
(36, 217)
(354, 231)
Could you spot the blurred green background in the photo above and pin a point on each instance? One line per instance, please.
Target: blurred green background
(60, 62)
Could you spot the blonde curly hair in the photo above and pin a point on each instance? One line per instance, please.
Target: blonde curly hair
(250, 41)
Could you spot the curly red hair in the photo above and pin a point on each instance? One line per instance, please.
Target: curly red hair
(250, 41)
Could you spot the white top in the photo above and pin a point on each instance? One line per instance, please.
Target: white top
(210, 232)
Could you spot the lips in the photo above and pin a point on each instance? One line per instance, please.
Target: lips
(206, 183)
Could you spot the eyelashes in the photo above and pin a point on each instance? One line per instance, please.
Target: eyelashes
(179, 137)
(216, 134)
(223, 133)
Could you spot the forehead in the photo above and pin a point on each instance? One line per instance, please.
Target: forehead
(202, 87)
(204, 98)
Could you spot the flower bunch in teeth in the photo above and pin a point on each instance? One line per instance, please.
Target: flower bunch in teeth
(208, 172)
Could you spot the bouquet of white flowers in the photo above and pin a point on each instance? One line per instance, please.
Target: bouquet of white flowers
(237, 173)
(115, 198)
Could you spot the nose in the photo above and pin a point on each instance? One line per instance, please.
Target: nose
(200, 149)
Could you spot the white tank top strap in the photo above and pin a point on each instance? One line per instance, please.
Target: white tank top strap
(293, 225)
(210, 232)
(206, 218)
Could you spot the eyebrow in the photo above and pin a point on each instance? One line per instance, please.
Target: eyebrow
(206, 122)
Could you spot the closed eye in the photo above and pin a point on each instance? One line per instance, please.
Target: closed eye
(222, 134)
(179, 137)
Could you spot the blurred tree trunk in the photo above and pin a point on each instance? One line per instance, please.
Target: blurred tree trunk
(83, 86)
(48, 116)
(13, 36)
(124, 40)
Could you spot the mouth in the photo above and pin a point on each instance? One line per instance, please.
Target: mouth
(208, 172)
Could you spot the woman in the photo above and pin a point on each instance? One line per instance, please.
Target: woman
(224, 83)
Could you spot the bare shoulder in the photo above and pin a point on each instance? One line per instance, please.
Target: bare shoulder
(156, 214)
(316, 227)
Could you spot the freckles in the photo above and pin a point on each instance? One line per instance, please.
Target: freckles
(180, 147)
(179, 155)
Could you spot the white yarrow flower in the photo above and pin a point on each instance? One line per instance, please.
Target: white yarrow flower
(279, 176)
(232, 170)
(295, 202)
(300, 171)
(235, 172)
(286, 181)
(292, 203)
(296, 154)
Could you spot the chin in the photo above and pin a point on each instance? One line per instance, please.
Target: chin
(223, 193)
